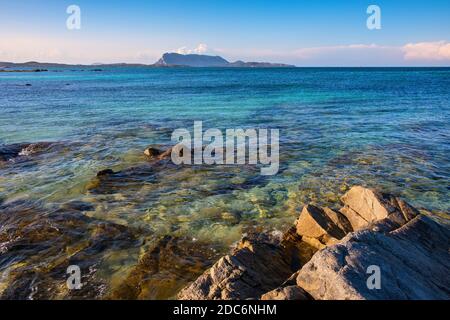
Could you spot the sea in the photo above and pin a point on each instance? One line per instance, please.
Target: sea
(384, 128)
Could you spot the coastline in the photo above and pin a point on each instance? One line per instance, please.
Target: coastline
(302, 263)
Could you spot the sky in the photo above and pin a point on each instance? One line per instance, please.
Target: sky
(300, 32)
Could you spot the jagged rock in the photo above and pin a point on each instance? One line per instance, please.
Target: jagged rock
(320, 227)
(256, 266)
(286, 293)
(364, 207)
(410, 249)
(339, 219)
(414, 263)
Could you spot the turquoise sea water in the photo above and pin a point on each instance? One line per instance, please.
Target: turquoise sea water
(383, 128)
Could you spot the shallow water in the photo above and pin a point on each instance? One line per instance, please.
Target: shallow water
(384, 128)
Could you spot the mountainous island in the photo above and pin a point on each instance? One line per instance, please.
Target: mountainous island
(198, 60)
(167, 60)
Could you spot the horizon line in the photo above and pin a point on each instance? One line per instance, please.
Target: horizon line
(289, 65)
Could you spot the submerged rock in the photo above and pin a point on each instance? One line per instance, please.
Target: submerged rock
(108, 181)
(11, 152)
(78, 206)
(105, 172)
(165, 269)
(35, 148)
(37, 246)
(152, 152)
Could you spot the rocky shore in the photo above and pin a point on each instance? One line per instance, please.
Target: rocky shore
(328, 254)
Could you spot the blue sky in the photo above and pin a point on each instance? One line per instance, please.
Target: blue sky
(303, 32)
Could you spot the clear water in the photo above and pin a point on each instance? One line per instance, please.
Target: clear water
(383, 128)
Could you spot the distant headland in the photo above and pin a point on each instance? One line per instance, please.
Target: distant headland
(167, 60)
(199, 60)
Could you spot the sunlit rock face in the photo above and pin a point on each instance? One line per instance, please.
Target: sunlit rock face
(409, 249)
(413, 260)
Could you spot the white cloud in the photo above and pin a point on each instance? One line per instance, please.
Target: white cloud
(75, 50)
(201, 48)
(435, 51)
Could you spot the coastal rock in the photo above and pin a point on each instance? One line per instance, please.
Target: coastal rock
(292, 292)
(256, 266)
(414, 263)
(364, 207)
(317, 226)
(410, 249)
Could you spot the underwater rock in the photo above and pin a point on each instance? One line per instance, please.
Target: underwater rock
(11, 151)
(18, 150)
(166, 154)
(152, 152)
(166, 268)
(77, 205)
(105, 172)
(37, 246)
(108, 181)
(35, 148)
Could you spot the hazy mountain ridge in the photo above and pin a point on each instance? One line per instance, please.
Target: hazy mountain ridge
(167, 60)
(198, 60)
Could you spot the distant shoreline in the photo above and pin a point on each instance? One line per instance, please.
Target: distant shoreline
(12, 67)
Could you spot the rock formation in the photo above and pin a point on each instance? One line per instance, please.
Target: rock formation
(200, 60)
(335, 254)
